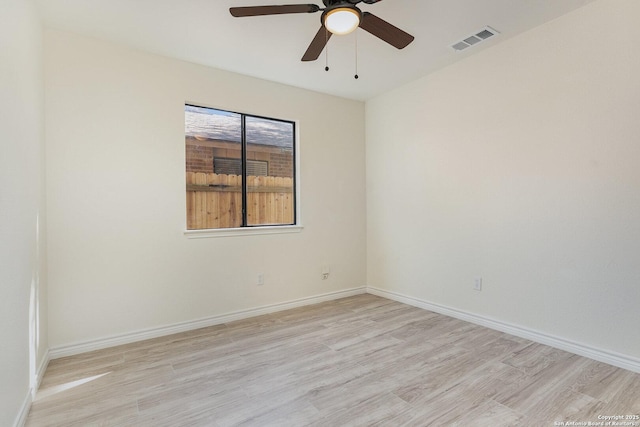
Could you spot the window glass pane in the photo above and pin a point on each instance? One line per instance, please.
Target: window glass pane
(214, 197)
(270, 198)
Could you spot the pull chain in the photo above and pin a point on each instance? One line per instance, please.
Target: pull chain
(326, 50)
(356, 75)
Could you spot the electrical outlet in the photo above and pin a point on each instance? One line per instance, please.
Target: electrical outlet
(260, 279)
(324, 272)
(477, 284)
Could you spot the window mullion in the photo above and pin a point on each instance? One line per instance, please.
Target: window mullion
(243, 155)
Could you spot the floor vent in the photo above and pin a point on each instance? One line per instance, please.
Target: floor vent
(482, 35)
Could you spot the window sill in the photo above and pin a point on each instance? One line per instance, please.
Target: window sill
(244, 231)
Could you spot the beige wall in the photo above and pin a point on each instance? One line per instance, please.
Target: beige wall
(118, 259)
(22, 274)
(520, 165)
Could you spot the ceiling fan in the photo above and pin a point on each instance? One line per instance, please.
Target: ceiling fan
(338, 17)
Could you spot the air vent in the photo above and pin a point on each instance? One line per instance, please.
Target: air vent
(482, 35)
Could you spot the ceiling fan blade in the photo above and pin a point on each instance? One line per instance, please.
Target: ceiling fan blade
(385, 31)
(239, 12)
(317, 44)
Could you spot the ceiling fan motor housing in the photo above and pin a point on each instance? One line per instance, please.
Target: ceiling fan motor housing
(328, 3)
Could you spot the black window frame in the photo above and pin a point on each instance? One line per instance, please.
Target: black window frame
(243, 144)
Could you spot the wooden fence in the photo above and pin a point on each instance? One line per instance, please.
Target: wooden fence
(215, 200)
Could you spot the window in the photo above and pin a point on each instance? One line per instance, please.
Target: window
(240, 169)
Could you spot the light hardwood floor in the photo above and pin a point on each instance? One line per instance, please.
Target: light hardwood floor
(358, 361)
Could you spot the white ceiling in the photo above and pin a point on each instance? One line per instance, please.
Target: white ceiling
(270, 47)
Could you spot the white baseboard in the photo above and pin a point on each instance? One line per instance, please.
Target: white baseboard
(609, 357)
(21, 419)
(112, 341)
(40, 372)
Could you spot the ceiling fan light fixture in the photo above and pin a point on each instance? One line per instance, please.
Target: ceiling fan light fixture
(342, 20)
